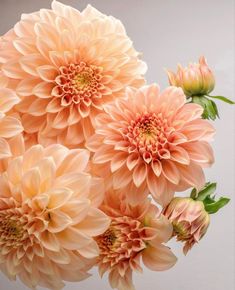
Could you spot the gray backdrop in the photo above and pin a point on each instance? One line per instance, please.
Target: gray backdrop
(168, 32)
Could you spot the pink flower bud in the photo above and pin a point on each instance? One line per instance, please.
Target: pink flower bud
(196, 79)
(189, 219)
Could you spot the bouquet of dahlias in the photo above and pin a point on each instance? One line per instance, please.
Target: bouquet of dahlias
(91, 157)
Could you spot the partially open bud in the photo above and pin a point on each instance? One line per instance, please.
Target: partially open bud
(196, 79)
(189, 219)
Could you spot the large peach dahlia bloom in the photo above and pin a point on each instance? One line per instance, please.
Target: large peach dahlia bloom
(153, 140)
(135, 233)
(65, 65)
(49, 216)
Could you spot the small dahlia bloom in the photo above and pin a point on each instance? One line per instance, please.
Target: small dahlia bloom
(196, 79)
(154, 142)
(9, 125)
(49, 217)
(136, 233)
(190, 220)
(65, 65)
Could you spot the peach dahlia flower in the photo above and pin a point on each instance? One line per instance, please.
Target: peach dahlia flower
(154, 141)
(190, 220)
(9, 125)
(135, 233)
(65, 65)
(49, 216)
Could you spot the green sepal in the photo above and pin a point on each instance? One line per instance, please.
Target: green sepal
(207, 196)
(208, 190)
(223, 99)
(209, 106)
(212, 206)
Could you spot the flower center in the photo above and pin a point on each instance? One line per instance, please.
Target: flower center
(107, 240)
(148, 136)
(11, 230)
(121, 241)
(78, 84)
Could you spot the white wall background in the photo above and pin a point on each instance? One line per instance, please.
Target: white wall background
(168, 32)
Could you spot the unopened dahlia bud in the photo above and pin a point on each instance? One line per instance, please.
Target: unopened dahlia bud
(189, 219)
(196, 79)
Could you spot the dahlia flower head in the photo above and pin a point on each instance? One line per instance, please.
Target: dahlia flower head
(190, 220)
(65, 65)
(49, 216)
(153, 142)
(136, 233)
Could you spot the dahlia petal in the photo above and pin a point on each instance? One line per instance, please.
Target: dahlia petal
(54, 106)
(10, 127)
(157, 167)
(5, 150)
(79, 183)
(74, 135)
(118, 160)
(14, 170)
(121, 178)
(73, 239)
(180, 155)
(170, 171)
(103, 154)
(132, 160)
(192, 175)
(38, 107)
(31, 182)
(47, 72)
(58, 221)
(139, 174)
(50, 241)
(26, 86)
(12, 69)
(47, 170)
(43, 90)
(158, 258)
(76, 210)
(200, 152)
(24, 45)
(8, 99)
(75, 161)
(29, 63)
(32, 156)
(90, 251)
(32, 124)
(58, 197)
(95, 224)
(61, 257)
(60, 121)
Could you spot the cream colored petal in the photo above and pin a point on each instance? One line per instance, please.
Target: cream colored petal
(10, 127)
(158, 258)
(95, 223)
(8, 99)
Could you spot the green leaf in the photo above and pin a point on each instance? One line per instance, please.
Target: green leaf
(210, 108)
(207, 191)
(213, 207)
(224, 99)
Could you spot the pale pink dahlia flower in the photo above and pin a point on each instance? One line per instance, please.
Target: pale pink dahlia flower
(49, 217)
(153, 140)
(136, 233)
(65, 65)
(9, 125)
(190, 220)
